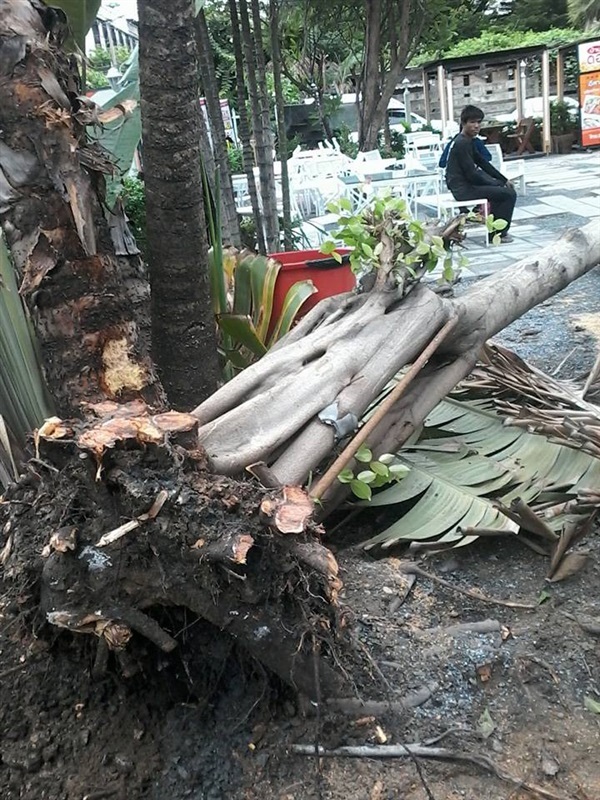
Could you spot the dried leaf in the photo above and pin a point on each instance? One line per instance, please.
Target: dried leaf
(592, 705)
(569, 566)
(53, 428)
(485, 724)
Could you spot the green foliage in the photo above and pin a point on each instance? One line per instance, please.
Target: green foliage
(347, 146)
(235, 159)
(538, 15)
(492, 40)
(415, 252)
(585, 13)
(80, 14)
(562, 118)
(379, 472)
(396, 148)
(243, 289)
(134, 202)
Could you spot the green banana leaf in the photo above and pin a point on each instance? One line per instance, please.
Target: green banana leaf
(465, 462)
(121, 137)
(242, 299)
(24, 401)
(262, 279)
(295, 298)
(241, 330)
(81, 14)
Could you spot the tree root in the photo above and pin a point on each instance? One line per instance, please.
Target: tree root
(207, 550)
(423, 751)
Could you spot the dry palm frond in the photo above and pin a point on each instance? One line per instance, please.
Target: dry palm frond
(530, 399)
(480, 467)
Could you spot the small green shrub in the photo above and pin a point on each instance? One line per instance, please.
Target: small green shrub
(134, 202)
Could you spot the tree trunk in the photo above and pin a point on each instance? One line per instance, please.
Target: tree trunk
(244, 126)
(87, 297)
(230, 226)
(261, 128)
(281, 134)
(346, 350)
(183, 329)
(378, 86)
(265, 160)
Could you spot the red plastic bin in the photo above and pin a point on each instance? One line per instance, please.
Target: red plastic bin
(328, 276)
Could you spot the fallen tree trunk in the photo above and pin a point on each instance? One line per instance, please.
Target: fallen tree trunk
(271, 411)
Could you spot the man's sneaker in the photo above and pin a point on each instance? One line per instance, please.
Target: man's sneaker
(507, 238)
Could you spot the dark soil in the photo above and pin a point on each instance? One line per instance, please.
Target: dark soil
(206, 721)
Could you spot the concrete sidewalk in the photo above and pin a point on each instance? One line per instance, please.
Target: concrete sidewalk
(563, 191)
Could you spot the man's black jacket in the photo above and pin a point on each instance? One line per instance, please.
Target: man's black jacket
(467, 168)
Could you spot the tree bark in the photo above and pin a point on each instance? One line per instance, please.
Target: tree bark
(244, 126)
(230, 226)
(87, 298)
(183, 329)
(402, 34)
(345, 352)
(261, 125)
(281, 133)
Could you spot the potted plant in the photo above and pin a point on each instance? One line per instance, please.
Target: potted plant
(563, 127)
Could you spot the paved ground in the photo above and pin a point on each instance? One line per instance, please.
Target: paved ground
(563, 191)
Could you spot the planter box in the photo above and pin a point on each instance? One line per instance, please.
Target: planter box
(563, 143)
(328, 276)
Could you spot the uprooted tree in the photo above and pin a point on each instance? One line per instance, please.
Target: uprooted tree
(126, 508)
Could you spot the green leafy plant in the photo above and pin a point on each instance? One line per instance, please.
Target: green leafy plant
(235, 159)
(377, 473)
(244, 305)
(495, 226)
(134, 202)
(562, 119)
(415, 250)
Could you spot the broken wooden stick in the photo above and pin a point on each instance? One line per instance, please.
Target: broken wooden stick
(352, 448)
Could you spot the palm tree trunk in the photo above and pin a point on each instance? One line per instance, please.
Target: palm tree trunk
(230, 226)
(87, 296)
(244, 126)
(261, 128)
(281, 134)
(183, 330)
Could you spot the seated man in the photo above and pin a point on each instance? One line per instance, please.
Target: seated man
(469, 176)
